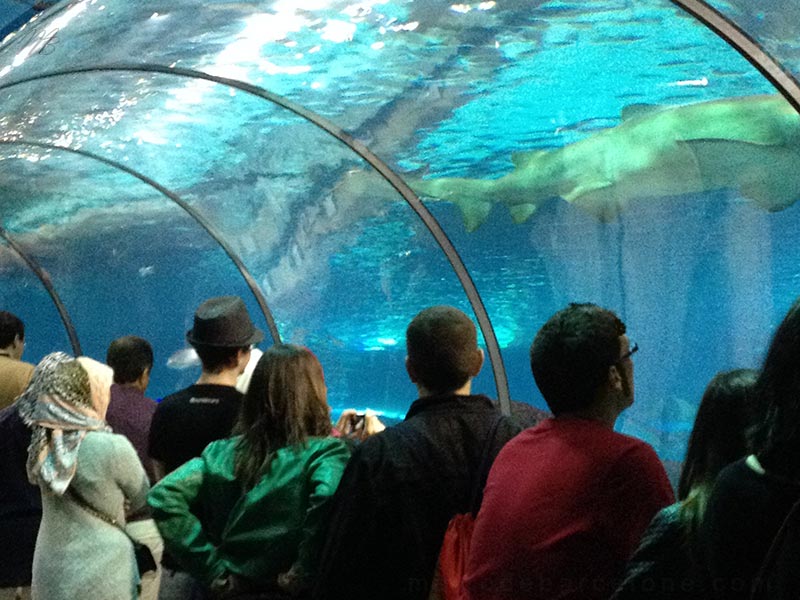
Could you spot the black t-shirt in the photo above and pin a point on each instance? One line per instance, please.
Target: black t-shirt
(187, 421)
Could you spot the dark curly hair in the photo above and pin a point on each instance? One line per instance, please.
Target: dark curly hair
(571, 354)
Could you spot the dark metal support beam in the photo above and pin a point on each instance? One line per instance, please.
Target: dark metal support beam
(397, 182)
(750, 49)
(200, 219)
(44, 277)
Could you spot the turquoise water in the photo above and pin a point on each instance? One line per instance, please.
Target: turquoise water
(436, 90)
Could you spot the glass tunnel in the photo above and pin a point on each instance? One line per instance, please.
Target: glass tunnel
(342, 165)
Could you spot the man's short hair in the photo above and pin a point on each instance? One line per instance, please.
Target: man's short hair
(215, 359)
(10, 327)
(129, 356)
(442, 348)
(571, 354)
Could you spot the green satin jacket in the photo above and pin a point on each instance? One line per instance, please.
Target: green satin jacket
(211, 528)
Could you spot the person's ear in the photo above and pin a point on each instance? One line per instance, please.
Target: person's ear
(144, 379)
(478, 365)
(410, 370)
(614, 378)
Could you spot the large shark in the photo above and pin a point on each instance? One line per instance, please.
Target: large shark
(750, 144)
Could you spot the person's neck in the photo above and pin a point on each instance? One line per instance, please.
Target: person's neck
(132, 385)
(605, 415)
(9, 352)
(225, 377)
(464, 390)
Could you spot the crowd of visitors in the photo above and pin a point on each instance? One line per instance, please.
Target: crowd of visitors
(240, 486)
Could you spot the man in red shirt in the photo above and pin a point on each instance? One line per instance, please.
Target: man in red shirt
(567, 501)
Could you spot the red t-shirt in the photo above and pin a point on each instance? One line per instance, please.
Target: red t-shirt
(564, 508)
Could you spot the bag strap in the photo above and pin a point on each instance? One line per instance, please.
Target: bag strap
(89, 508)
(485, 464)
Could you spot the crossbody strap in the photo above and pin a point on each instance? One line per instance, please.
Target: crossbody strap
(88, 507)
(485, 464)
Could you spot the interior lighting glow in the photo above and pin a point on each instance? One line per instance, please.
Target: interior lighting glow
(461, 8)
(149, 137)
(406, 26)
(338, 31)
(702, 82)
(44, 36)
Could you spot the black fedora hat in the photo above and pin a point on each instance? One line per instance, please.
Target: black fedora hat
(223, 322)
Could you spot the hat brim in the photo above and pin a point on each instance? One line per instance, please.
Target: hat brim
(255, 338)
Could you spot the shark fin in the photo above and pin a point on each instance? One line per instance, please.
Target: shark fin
(521, 212)
(767, 175)
(474, 212)
(633, 111)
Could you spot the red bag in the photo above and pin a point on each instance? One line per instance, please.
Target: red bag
(453, 556)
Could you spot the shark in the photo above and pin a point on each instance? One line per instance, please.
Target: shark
(750, 144)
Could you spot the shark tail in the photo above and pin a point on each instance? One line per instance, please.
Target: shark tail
(473, 197)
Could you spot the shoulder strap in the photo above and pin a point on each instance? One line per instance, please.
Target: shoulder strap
(484, 466)
(88, 507)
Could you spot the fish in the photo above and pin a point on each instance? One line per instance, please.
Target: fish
(185, 358)
(750, 144)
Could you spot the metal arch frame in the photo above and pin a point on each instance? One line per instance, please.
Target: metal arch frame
(200, 219)
(745, 45)
(47, 282)
(397, 182)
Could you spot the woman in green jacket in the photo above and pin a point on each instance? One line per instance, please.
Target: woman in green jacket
(249, 514)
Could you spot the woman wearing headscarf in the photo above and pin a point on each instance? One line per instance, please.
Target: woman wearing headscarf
(248, 515)
(85, 473)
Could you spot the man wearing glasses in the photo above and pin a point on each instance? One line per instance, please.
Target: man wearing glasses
(567, 501)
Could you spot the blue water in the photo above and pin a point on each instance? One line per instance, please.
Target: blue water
(701, 280)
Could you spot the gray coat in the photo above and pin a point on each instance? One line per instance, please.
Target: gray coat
(77, 555)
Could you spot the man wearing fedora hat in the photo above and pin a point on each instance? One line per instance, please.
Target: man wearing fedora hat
(188, 420)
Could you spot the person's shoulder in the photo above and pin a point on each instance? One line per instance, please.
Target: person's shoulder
(221, 448)
(328, 442)
(736, 475)
(630, 445)
(376, 448)
(107, 442)
(175, 398)
(327, 448)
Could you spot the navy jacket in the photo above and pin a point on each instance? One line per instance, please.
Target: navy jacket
(398, 493)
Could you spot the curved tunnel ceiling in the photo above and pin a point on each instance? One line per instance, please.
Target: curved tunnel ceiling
(762, 60)
(382, 168)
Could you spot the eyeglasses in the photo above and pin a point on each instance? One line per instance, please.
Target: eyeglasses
(632, 349)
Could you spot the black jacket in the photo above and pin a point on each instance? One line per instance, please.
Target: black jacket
(20, 502)
(398, 493)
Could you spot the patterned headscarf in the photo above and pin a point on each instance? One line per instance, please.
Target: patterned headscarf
(66, 398)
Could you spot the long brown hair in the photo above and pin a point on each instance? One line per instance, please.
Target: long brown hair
(285, 404)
